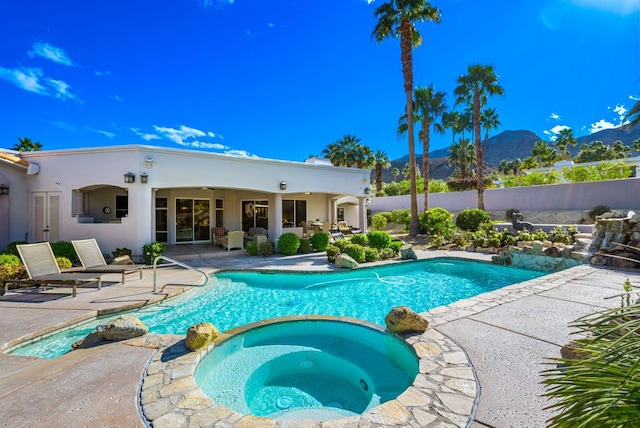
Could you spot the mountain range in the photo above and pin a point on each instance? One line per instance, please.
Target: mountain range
(510, 145)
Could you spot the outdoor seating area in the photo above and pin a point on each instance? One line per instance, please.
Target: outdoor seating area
(93, 261)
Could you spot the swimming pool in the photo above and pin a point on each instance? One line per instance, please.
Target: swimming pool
(238, 298)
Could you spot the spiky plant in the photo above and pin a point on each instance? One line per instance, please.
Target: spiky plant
(603, 389)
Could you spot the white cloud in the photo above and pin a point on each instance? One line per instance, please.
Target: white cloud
(179, 136)
(601, 125)
(116, 97)
(34, 80)
(102, 73)
(50, 52)
(145, 136)
(623, 7)
(99, 131)
(63, 125)
(554, 116)
(240, 153)
(553, 132)
(634, 98)
(183, 136)
(204, 145)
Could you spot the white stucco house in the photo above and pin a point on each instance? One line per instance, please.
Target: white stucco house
(127, 196)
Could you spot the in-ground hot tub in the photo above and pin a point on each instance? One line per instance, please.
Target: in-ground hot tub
(307, 369)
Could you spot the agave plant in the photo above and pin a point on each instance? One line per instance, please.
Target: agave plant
(602, 389)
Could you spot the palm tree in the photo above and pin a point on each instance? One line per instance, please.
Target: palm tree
(395, 172)
(633, 115)
(636, 145)
(462, 155)
(382, 162)
(489, 121)
(544, 154)
(397, 19)
(26, 145)
(564, 139)
(348, 152)
(474, 88)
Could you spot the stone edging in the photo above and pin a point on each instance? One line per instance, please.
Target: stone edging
(444, 392)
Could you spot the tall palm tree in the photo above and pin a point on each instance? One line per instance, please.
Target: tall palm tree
(395, 172)
(489, 119)
(474, 88)
(381, 162)
(26, 145)
(462, 156)
(544, 154)
(347, 151)
(564, 139)
(397, 19)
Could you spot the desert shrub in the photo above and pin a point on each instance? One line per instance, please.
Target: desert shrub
(12, 249)
(539, 235)
(561, 235)
(395, 245)
(265, 249)
(460, 237)
(341, 243)
(532, 179)
(494, 239)
(371, 254)
(598, 211)
(288, 244)
(332, 253)
(479, 239)
(360, 239)
(386, 215)
(438, 186)
(355, 251)
(64, 249)
(402, 216)
(63, 263)
(471, 218)
(379, 239)
(524, 235)
(252, 248)
(436, 241)
(437, 221)
(151, 250)
(378, 222)
(507, 238)
(462, 184)
(9, 271)
(603, 171)
(9, 259)
(387, 253)
(305, 246)
(319, 241)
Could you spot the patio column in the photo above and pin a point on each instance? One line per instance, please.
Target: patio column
(334, 210)
(277, 217)
(154, 191)
(79, 205)
(362, 214)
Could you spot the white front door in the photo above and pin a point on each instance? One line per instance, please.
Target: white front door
(45, 215)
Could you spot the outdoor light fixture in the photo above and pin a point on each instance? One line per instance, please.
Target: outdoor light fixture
(367, 190)
(148, 162)
(144, 178)
(4, 189)
(129, 177)
(283, 185)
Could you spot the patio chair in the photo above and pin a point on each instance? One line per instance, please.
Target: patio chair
(92, 260)
(42, 268)
(217, 235)
(234, 240)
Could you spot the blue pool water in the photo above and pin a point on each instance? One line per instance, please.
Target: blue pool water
(307, 369)
(238, 298)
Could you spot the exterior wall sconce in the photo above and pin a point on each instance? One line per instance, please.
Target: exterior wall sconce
(367, 190)
(144, 178)
(283, 185)
(129, 177)
(4, 189)
(148, 162)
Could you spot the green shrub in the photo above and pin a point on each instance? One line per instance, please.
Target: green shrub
(561, 235)
(386, 215)
(598, 211)
(479, 239)
(9, 259)
(507, 238)
(341, 243)
(151, 250)
(265, 249)
(332, 253)
(436, 241)
(539, 235)
(532, 179)
(378, 222)
(371, 254)
(252, 248)
(387, 253)
(603, 171)
(64, 249)
(471, 218)
(438, 186)
(360, 239)
(63, 263)
(494, 239)
(355, 251)
(379, 239)
(12, 249)
(460, 237)
(437, 221)
(305, 246)
(9, 271)
(402, 216)
(288, 244)
(320, 241)
(395, 246)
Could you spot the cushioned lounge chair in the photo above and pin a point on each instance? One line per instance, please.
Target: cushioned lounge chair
(92, 260)
(233, 240)
(42, 268)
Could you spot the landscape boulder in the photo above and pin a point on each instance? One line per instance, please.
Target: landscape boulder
(407, 252)
(402, 319)
(200, 336)
(122, 328)
(345, 261)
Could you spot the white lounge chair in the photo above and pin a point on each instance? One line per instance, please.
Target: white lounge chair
(42, 268)
(233, 240)
(93, 261)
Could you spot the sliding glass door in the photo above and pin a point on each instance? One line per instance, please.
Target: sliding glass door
(193, 222)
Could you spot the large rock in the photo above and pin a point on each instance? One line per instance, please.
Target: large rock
(407, 252)
(200, 336)
(122, 328)
(402, 320)
(346, 261)
(573, 351)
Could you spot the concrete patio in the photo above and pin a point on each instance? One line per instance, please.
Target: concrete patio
(507, 335)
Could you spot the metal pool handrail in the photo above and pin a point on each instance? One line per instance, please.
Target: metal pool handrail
(175, 262)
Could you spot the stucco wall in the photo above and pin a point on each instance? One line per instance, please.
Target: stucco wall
(617, 194)
(14, 222)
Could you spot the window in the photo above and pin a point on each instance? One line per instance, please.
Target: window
(293, 212)
(340, 214)
(162, 219)
(219, 212)
(122, 206)
(255, 214)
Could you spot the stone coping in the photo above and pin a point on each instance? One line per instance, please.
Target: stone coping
(443, 394)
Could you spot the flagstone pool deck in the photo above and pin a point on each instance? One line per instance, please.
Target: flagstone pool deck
(506, 335)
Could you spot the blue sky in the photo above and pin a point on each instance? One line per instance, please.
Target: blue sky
(283, 79)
